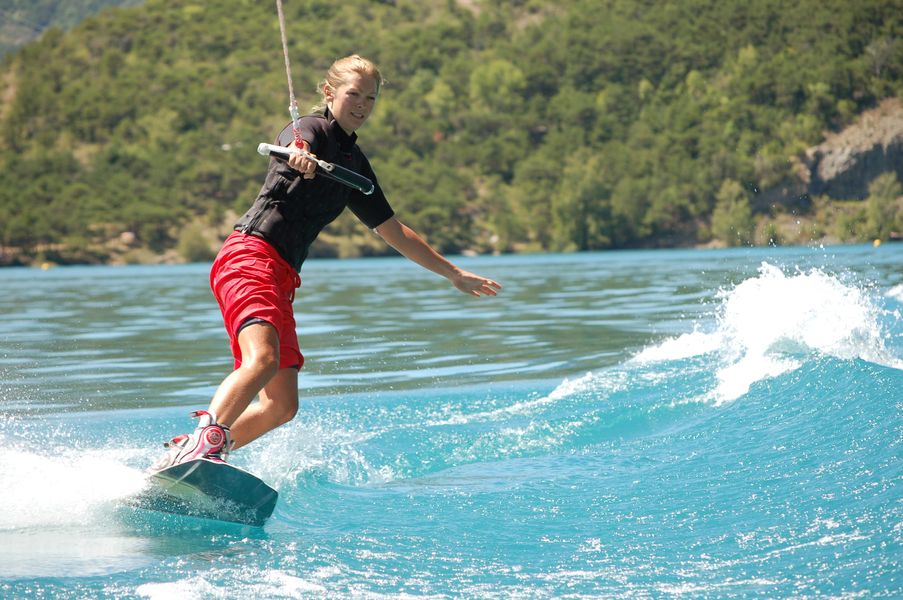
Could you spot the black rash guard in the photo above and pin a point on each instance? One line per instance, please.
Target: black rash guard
(290, 211)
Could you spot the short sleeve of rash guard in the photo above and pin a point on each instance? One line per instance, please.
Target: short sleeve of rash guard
(373, 210)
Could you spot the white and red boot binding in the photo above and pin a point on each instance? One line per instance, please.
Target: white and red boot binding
(209, 440)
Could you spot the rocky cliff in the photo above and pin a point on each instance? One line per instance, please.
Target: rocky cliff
(843, 166)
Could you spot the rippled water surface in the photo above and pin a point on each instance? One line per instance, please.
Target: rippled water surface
(624, 424)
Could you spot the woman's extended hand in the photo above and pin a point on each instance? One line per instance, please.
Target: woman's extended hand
(475, 285)
(302, 163)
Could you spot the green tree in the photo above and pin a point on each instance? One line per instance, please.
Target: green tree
(581, 209)
(884, 206)
(520, 125)
(732, 221)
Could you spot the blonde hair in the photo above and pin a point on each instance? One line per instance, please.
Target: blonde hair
(339, 73)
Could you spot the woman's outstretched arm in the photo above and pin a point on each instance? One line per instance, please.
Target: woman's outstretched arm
(412, 246)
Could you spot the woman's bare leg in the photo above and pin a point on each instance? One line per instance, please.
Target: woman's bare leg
(260, 362)
(277, 406)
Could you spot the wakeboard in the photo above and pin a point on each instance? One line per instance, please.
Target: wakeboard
(209, 489)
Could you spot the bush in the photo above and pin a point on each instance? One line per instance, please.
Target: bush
(883, 209)
(193, 245)
(732, 221)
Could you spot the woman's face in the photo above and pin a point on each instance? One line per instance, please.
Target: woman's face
(352, 102)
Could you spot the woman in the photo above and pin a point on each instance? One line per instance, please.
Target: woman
(255, 275)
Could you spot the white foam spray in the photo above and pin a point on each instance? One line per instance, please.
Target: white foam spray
(62, 488)
(896, 293)
(768, 324)
(301, 448)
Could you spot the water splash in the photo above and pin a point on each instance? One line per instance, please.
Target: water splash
(62, 488)
(770, 324)
(303, 449)
(269, 583)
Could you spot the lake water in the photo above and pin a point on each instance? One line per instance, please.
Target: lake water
(720, 423)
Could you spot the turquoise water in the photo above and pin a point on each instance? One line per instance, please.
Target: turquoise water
(626, 425)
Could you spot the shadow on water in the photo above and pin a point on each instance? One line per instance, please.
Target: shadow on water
(123, 539)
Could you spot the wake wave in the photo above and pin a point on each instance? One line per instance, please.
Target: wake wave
(768, 325)
(416, 438)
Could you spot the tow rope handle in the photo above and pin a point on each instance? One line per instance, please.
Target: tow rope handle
(325, 169)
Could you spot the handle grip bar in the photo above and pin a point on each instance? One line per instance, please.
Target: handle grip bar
(324, 168)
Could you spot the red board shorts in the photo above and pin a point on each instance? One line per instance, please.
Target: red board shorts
(253, 283)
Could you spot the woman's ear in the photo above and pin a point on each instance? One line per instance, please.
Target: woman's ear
(328, 93)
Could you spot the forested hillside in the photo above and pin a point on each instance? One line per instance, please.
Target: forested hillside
(505, 126)
(23, 20)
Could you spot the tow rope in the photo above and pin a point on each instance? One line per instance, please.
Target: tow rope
(293, 103)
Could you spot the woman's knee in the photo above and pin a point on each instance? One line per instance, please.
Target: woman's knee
(267, 361)
(280, 399)
(285, 408)
(287, 413)
(260, 349)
